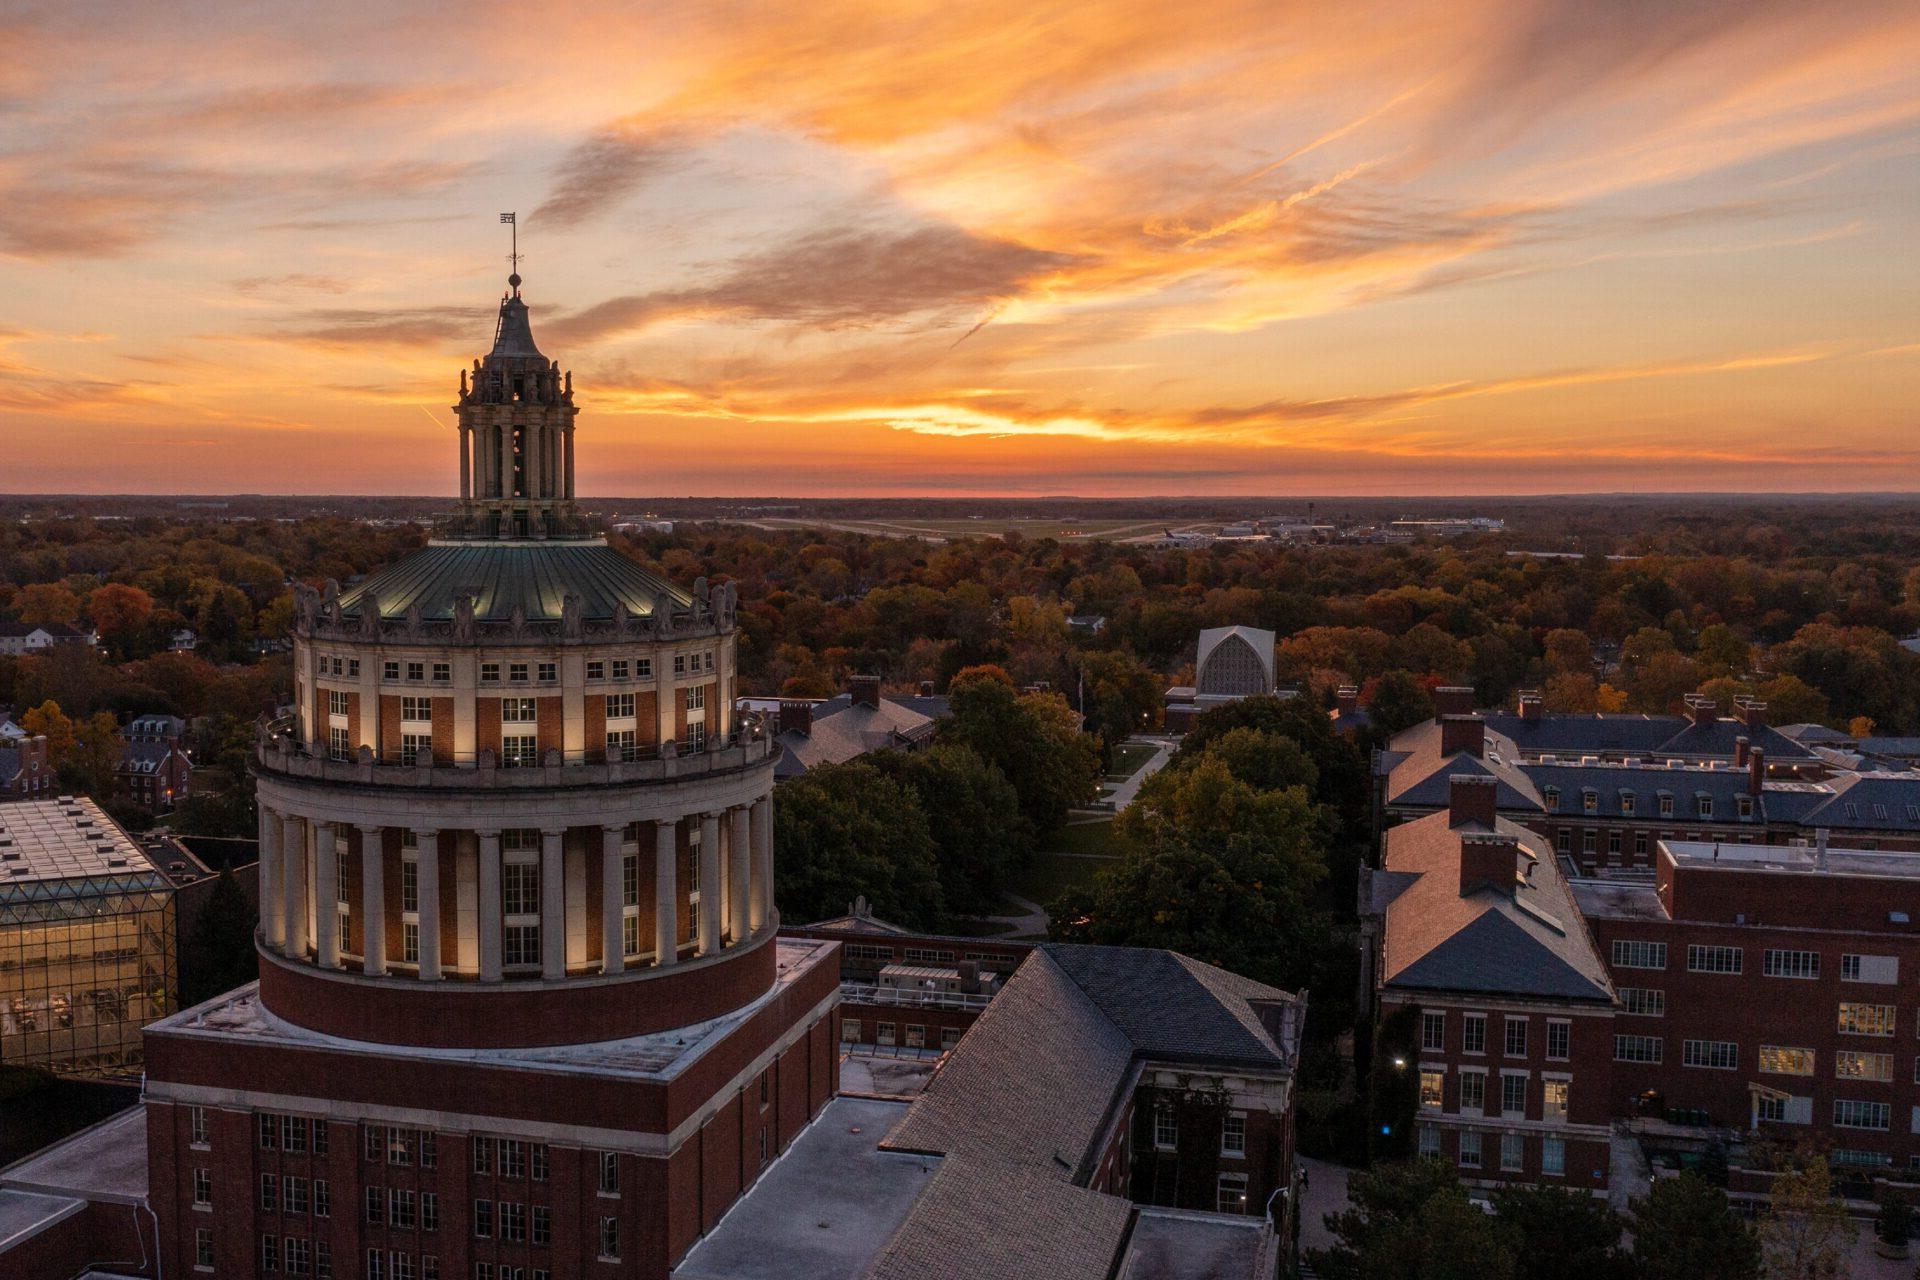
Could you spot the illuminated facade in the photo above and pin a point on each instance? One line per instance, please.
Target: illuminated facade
(517, 939)
(86, 939)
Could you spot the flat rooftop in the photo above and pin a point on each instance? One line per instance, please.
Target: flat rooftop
(24, 1214)
(1794, 859)
(1170, 1244)
(69, 838)
(239, 1016)
(1618, 899)
(825, 1208)
(106, 1161)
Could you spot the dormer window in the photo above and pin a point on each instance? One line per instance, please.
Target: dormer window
(1552, 797)
(1745, 805)
(1706, 806)
(1590, 800)
(1666, 804)
(1626, 803)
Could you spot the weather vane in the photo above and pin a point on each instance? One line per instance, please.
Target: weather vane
(513, 258)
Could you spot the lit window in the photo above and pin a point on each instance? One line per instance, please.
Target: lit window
(1232, 1193)
(1433, 1089)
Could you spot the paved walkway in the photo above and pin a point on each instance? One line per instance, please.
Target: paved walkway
(1122, 795)
(1032, 919)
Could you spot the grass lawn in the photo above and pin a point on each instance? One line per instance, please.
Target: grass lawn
(1128, 759)
(1073, 857)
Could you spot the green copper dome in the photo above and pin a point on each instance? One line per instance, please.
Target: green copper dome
(502, 576)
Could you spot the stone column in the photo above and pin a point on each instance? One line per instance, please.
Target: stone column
(534, 455)
(666, 893)
(273, 923)
(429, 881)
(569, 470)
(293, 887)
(505, 432)
(490, 906)
(553, 905)
(762, 826)
(373, 901)
(709, 883)
(739, 874)
(326, 894)
(466, 462)
(613, 901)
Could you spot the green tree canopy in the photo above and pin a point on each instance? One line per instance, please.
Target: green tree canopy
(1684, 1229)
(973, 814)
(1563, 1235)
(846, 830)
(217, 953)
(1032, 738)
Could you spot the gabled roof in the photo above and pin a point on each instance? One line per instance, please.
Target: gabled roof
(843, 729)
(1868, 802)
(989, 1219)
(1418, 771)
(1039, 1079)
(1531, 942)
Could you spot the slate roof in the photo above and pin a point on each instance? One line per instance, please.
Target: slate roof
(146, 756)
(844, 729)
(989, 1219)
(1531, 942)
(1597, 733)
(1646, 783)
(1417, 771)
(534, 576)
(156, 727)
(1868, 802)
(1039, 1081)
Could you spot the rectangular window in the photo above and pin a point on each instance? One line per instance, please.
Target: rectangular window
(1470, 1148)
(620, 706)
(376, 1265)
(1701, 959)
(410, 941)
(596, 670)
(489, 673)
(203, 1247)
(203, 1188)
(1851, 1064)
(1512, 1157)
(1638, 1049)
(429, 1211)
(1473, 1092)
(1433, 1086)
(1166, 1129)
(269, 1132)
(542, 1226)
(390, 671)
(1866, 1019)
(517, 672)
(1880, 969)
(1790, 964)
(1848, 1114)
(400, 1146)
(610, 1239)
(1233, 1135)
(1473, 1033)
(549, 672)
(1516, 1037)
(376, 1204)
(697, 698)
(1784, 1060)
(643, 668)
(295, 1190)
(416, 710)
(519, 751)
(1433, 1031)
(1513, 1095)
(537, 1156)
(620, 669)
(322, 1198)
(519, 710)
(416, 671)
(1648, 1002)
(513, 1221)
(269, 1253)
(679, 664)
(416, 748)
(1429, 1140)
(1720, 1055)
(269, 1193)
(850, 1030)
(1628, 954)
(483, 1219)
(1640, 844)
(609, 1173)
(1553, 1100)
(197, 1126)
(1770, 1107)
(1553, 1156)
(483, 1155)
(916, 1036)
(400, 1209)
(442, 672)
(513, 1158)
(623, 746)
(1559, 1040)
(338, 745)
(1231, 1196)
(429, 1149)
(336, 703)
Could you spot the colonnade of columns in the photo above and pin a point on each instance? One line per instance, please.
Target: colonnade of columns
(487, 460)
(300, 903)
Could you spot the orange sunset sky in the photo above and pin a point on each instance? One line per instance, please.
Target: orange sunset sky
(984, 247)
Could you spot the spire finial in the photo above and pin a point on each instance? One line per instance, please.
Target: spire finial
(513, 259)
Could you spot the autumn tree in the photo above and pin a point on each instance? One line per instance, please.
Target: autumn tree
(1806, 1233)
(42, 603)
(48, 721)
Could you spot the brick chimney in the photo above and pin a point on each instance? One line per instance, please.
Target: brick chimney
(796, 717)
(1531, 704)
(1740, 745)
(1472, 797)
(1347, 698)
(1756, 770)
(1462, 733)
(1703, 710)
(1750, 712)
(865, 689)
(1489, 861)
(1453, 700)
